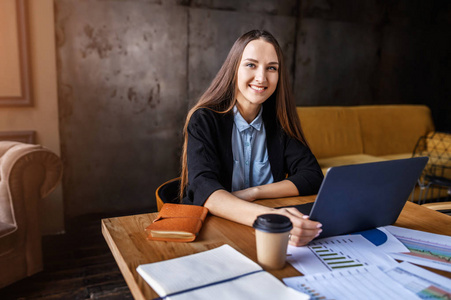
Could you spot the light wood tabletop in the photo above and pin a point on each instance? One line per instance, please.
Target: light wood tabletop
(128, 241)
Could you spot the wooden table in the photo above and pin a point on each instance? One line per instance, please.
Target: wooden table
(127, 239)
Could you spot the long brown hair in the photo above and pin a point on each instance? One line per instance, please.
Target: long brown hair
(220, 95)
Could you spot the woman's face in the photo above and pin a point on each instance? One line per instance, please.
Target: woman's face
(258, 74)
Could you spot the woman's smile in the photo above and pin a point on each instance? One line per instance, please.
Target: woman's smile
(258, 88)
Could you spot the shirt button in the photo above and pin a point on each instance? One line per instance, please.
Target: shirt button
(247, 144)
(247, 162)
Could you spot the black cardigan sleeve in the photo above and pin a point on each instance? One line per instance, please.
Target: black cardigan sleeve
(203, 157)
(290, 159)
(302, 166)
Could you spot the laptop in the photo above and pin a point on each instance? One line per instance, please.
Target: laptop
(359, 197)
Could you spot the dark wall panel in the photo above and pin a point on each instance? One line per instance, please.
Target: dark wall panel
(335, 63)
(122, 78)
(129, 71)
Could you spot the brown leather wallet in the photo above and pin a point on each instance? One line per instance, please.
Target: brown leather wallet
(177, 223)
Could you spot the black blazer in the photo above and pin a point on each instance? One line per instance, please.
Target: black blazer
(210, 159)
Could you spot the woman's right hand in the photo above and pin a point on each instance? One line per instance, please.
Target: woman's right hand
(304, 230)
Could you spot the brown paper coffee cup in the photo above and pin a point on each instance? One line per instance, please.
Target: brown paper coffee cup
(271, 234)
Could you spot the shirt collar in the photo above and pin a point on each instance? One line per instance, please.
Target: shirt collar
(242, 124)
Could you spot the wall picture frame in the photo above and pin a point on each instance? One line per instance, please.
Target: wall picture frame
(15, 55)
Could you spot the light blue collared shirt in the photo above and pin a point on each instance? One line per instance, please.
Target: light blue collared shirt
(251, 165)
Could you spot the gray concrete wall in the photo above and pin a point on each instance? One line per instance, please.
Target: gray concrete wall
(375, 52)
(129, 70)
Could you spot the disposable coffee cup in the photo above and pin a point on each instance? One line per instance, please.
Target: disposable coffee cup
(271, 235)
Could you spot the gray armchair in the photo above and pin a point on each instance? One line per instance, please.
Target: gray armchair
(28, 173)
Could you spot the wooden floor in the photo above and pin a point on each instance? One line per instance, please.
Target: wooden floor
(77, 265)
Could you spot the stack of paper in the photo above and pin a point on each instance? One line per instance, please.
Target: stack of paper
(354, 267)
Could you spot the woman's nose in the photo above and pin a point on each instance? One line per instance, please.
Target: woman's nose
(260, 75)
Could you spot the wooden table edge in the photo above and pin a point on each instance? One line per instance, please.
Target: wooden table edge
(122, 264)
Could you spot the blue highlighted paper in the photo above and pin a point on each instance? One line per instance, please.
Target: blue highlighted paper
(375, 236)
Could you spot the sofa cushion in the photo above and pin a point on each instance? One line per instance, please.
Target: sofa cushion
(397, 156)
(331, 131)
(326, 163)
(393, 129)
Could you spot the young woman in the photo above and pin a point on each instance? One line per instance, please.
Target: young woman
(243, 140)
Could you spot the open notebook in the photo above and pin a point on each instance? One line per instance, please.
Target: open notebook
(220, 273)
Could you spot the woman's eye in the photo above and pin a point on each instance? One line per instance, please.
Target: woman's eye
(250, 65)
(272, 68)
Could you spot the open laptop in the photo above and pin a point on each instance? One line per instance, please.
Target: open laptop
(364, 196)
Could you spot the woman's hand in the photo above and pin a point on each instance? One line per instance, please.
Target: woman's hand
(304, 230)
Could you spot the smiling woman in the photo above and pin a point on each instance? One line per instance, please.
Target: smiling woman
(243, 140)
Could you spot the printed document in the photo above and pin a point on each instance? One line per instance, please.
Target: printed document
(425, 284)
(426, 249)
(368, 283)
(339, 252)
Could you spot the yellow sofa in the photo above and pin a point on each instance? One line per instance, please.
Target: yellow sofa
(343, 135)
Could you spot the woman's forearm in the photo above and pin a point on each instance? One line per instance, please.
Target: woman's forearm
(224, 204)
(284, 188)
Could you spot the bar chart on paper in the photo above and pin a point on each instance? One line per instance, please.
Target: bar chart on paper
(337, 253)
(334, 258)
